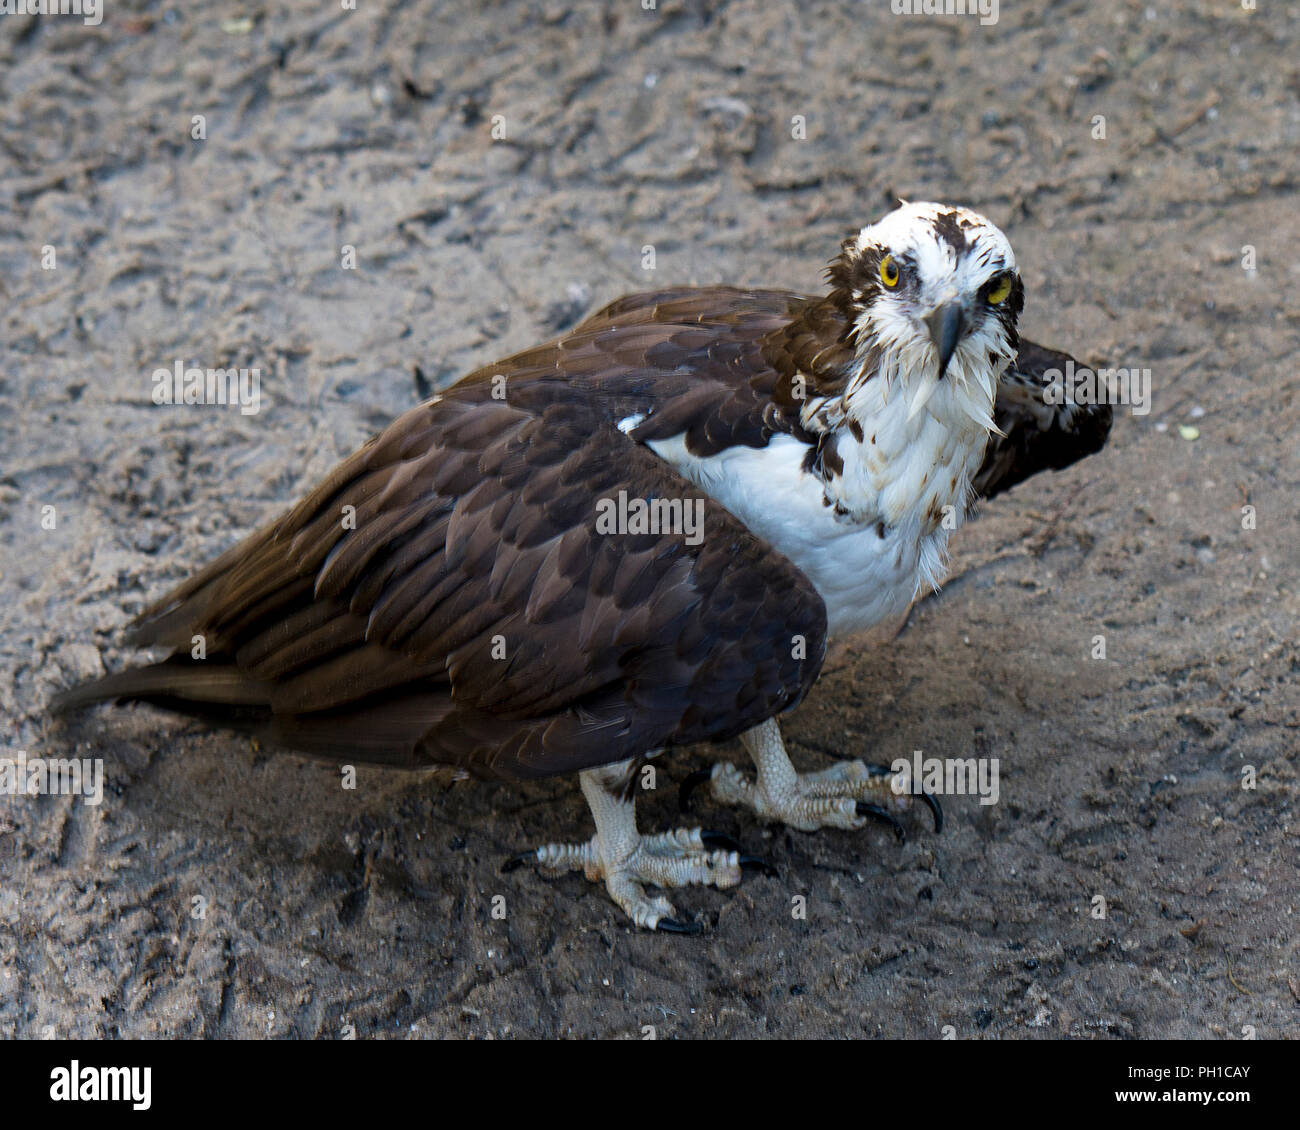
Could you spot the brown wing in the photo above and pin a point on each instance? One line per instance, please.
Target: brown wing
(698, 361)
(445, 596)
(1038, 435)
(466, 611)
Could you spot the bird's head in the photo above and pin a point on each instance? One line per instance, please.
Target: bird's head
(933, 296)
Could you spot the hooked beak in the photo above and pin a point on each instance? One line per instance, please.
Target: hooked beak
(945, 323)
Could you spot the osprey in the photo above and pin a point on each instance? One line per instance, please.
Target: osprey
(501, 584)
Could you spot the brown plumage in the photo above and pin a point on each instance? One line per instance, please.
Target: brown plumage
(465, 612)
(1037, 436)
(449, 599)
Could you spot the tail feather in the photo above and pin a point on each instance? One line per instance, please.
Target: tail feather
(385, 729)
(207, 684)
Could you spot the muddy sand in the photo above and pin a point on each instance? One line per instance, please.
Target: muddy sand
(327, 910)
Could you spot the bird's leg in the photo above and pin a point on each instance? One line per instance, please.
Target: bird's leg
(844, 796)
(625, 859)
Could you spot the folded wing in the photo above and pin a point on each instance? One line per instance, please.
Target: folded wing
(1043, 428)
(451, 595)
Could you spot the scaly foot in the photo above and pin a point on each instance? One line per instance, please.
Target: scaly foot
(846, 795)
(625, 859)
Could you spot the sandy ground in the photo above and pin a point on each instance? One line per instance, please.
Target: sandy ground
(370, 910)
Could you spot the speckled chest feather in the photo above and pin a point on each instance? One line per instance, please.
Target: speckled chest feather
(869, 522)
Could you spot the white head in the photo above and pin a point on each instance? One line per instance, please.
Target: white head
(934, 297)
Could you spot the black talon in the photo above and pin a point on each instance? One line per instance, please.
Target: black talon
(756, 863)
(672, 926)
(878, 813)
(688, 786)
(517, 861)
(746, 862)
(934, 807)
(720, 841)
(886, 771)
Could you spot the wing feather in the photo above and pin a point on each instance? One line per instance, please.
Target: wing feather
(473, 615)
(1038, 435)
(474, 525)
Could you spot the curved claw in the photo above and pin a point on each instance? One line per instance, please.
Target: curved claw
(517, 861)
(878, 813)
(745, 861)
(688, 786)
(672, 926)
(934, 807)
(720, 841)
(887, 771)
(757, 863)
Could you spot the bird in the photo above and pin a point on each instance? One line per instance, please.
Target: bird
(636, 537)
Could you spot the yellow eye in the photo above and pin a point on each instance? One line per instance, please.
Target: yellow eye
(999, 293)
(889, 271)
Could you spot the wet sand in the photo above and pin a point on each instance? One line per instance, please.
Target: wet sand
(325, 908)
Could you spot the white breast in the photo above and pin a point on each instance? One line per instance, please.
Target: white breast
(869, 557)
